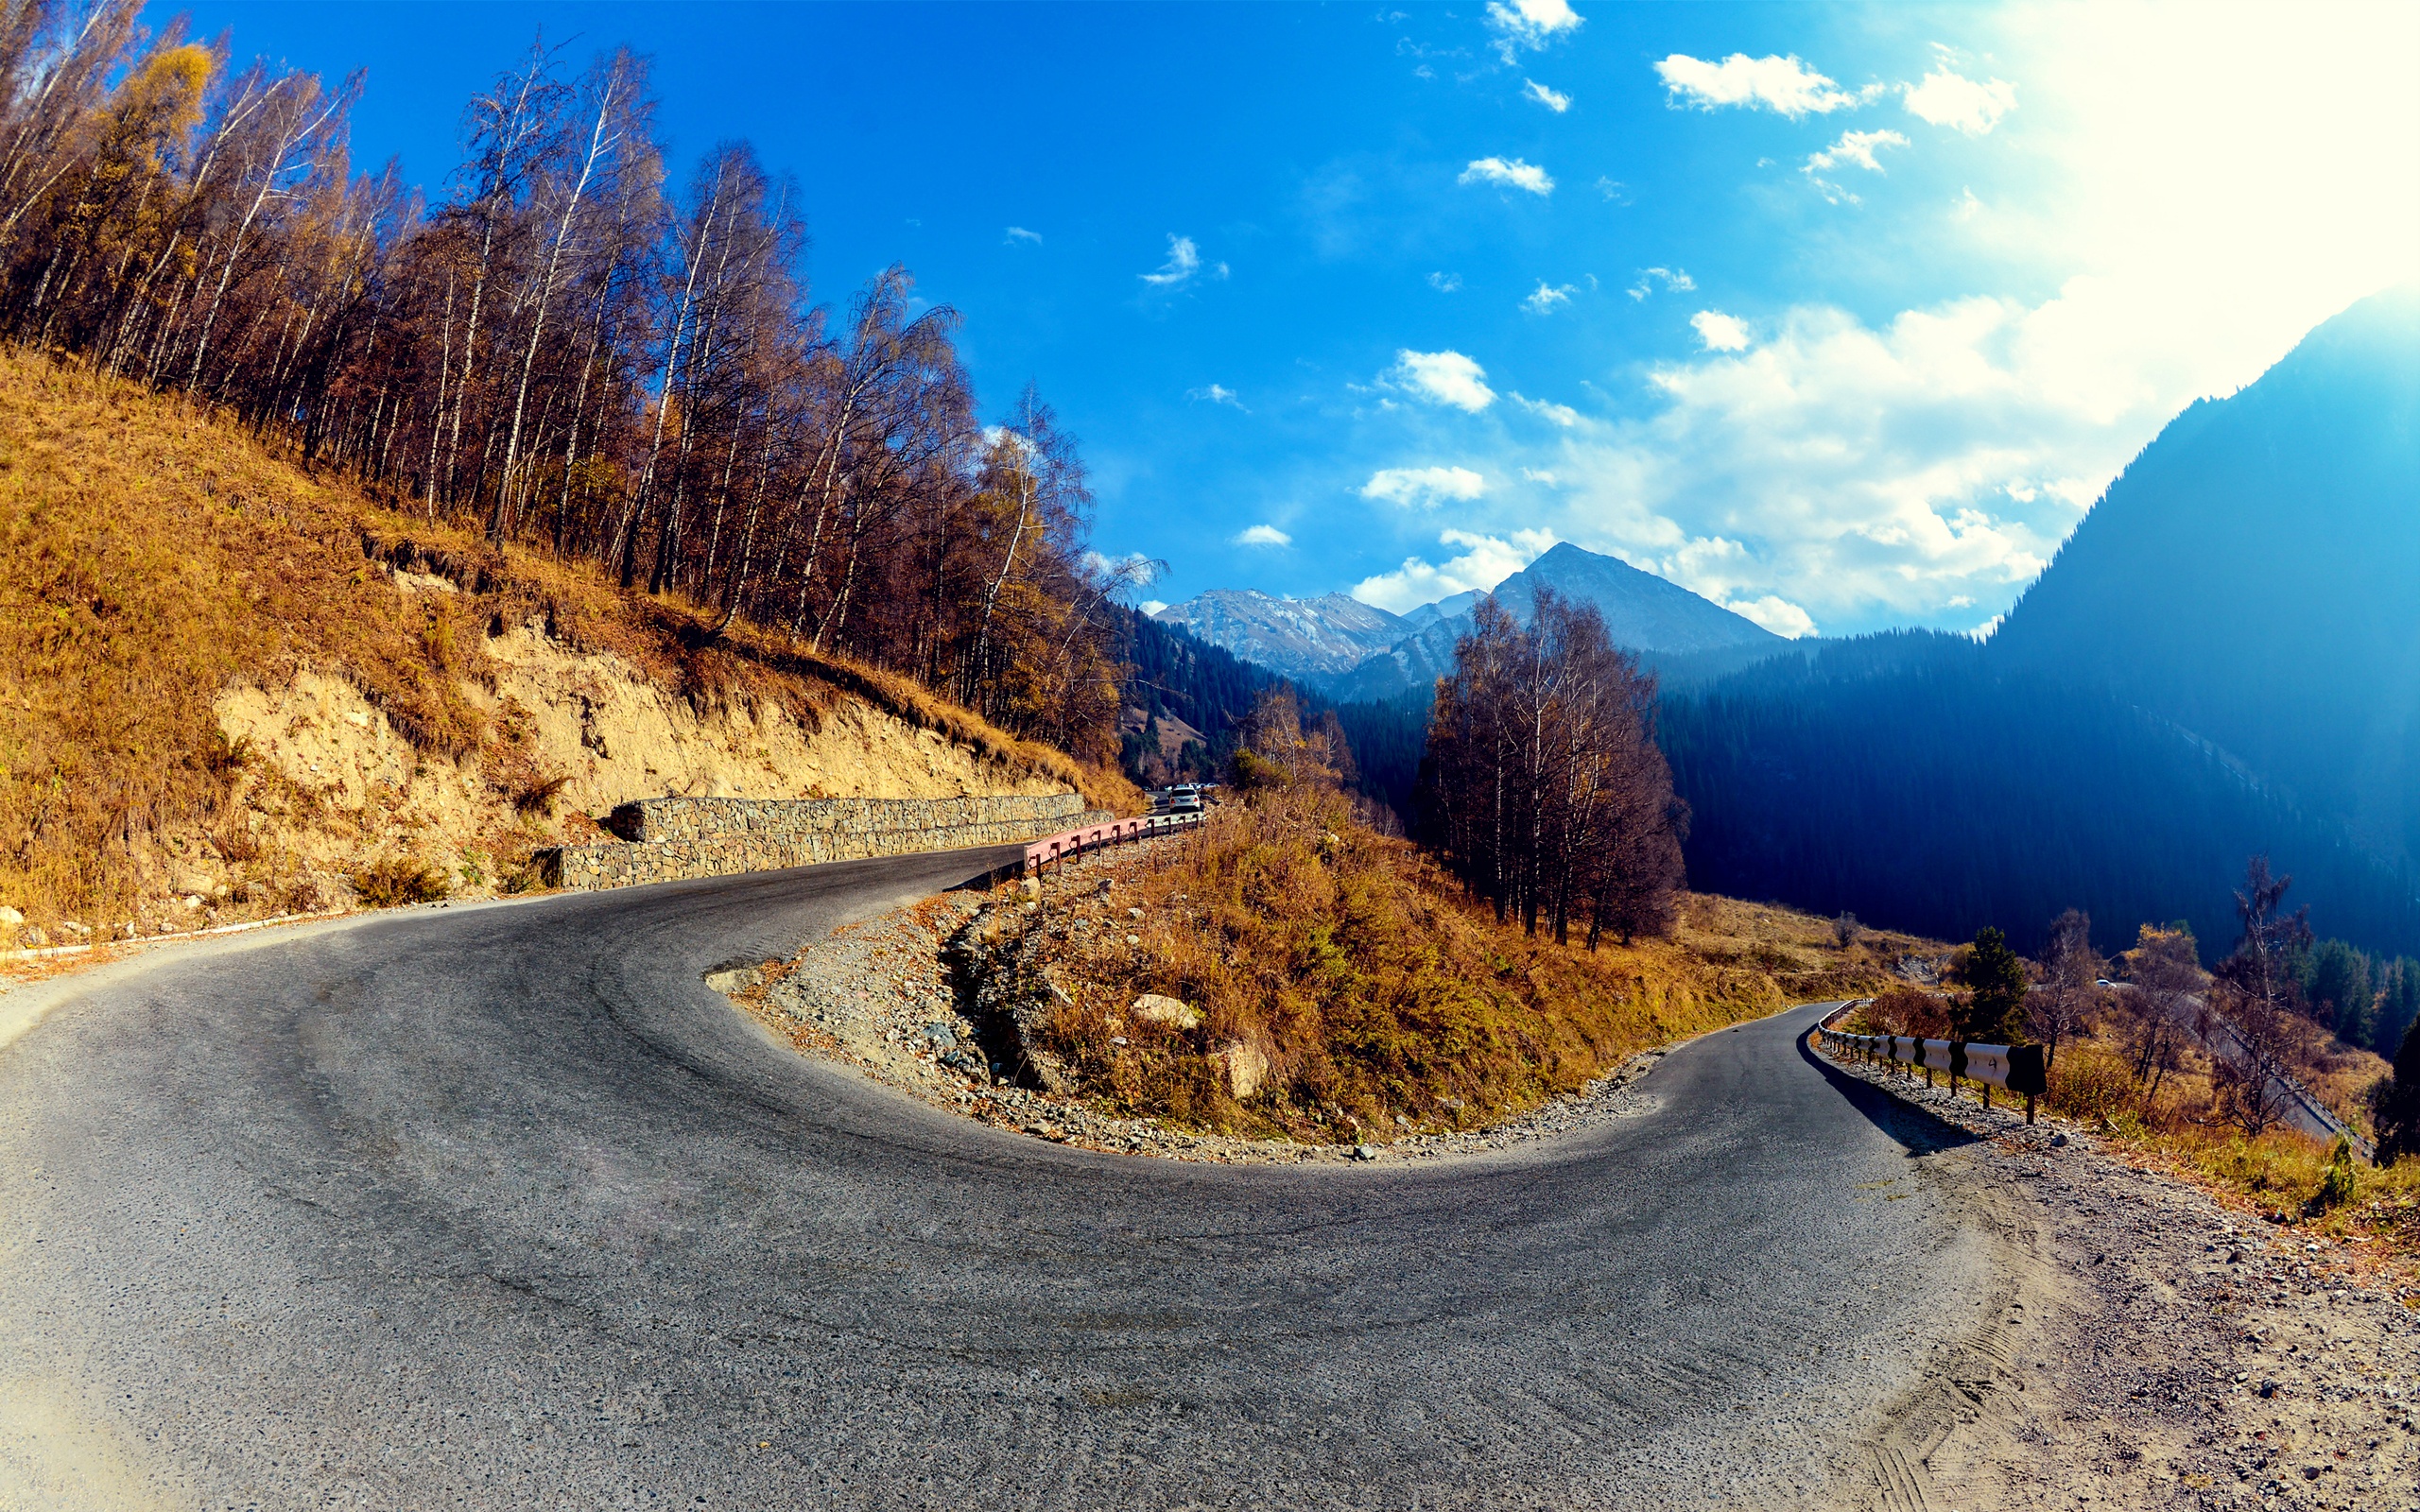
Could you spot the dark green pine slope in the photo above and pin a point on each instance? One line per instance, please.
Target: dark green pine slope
(2254, 576)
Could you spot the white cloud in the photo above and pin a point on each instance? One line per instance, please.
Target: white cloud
(1153, 606)
(1846, 473)
(1485, 561)
(1857, 148)
(1530, 24)
(1184, 263)
(1776, 614)
(1261, 535)
(1512, 172)
(1784, 85)
(1443, 378)
(1945, 98)
(1018, 233)
(1097, 566)
(1424, 485)
(1444, 283)
(1554, 100)
(1614, 191)
(1563, 415)
(1543, 298)
(1675, 281)
(1216, 394)
(1721, 332)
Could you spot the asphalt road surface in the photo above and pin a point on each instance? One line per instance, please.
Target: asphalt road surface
(498, 1205)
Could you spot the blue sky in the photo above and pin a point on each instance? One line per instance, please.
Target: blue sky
(1839, 315)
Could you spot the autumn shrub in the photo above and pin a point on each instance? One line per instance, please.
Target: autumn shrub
(2092, 1082)
(2336, 1182)
(393, 880)
(1908, 1011)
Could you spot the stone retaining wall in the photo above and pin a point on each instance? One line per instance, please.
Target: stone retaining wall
(654, 819)
(686, 838)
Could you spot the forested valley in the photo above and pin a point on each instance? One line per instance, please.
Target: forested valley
(574, 349)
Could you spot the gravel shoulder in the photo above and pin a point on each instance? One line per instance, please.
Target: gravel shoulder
(2153, 1347)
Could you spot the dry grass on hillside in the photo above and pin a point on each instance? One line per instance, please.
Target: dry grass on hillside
(2168, 1121)
(1384, 1002)
(150, 555)
(2163, 1116)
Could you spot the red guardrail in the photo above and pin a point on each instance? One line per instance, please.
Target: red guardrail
(1068, 844)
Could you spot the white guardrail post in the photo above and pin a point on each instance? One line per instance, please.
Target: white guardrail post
(2018, 1069)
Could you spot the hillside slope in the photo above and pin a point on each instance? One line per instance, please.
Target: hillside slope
(228, 688)
(2254, 576)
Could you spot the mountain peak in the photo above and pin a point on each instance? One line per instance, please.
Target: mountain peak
(1643, 611)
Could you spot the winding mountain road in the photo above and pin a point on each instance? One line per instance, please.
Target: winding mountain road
(498, 1206)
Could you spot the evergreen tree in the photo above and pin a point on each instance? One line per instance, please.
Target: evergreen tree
(1993, 1010)
(2398, 1004)
(2335, 980)
(2397, 1102)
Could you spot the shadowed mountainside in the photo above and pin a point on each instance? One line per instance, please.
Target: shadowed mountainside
(2254, 576)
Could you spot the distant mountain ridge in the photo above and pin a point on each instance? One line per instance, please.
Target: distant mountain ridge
(1643, 613)
(1301, 637)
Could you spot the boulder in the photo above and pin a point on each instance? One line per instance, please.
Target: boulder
(1029, 888)
(1244, 1067)
(739, 979)
(1153, 1009)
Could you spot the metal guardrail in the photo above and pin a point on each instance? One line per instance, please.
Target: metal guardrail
(1069, 844)
(2018, 1069)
